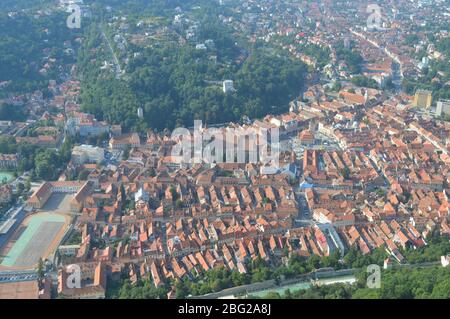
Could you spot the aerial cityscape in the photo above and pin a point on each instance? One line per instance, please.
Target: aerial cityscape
(224, 149)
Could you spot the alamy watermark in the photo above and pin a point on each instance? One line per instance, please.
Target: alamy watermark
(74, 276)
(227, 145)
(74, 19)
(374, 279)
(374, 21)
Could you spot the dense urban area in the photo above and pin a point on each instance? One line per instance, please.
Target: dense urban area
(91, 185)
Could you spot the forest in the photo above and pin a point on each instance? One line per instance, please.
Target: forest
(437, 76)
(175, 84)
(27, 44)
(257, 271)
(415, 283)
(44, 163)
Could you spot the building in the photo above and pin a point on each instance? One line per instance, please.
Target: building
(93, 128)
(228, 86)
(9, 161)
(445, 260)
(69, 250)
(140, 112)
(141, 194)
(29, 289)
(116, 130)
(85, 125)
(123, 141)
(93, 282)
(387, 263)
(306, 137)
(423, 99)
(201, 46)
(87, 154)
(443, 108)
(5, 193)
(80, 190)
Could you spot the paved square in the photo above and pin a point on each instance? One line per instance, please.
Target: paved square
(58, 202)
(41, 235)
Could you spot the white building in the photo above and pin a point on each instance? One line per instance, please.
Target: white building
(70, 2)
(87, 154)
(85, 125)
(269, 170)
(228, 86)
(445, 260)
(443, 107)
(201, 46)
(141, 195)
(140, 112)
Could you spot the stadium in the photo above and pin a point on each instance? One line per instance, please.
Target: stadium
(36, 231)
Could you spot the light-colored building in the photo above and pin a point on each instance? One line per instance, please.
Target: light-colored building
(5, 193)
(28, 289)
(228, 86)
(92, 283)
(80, 191)
(140, 112)
(93, 128)
(85, 125)
(445, 260)
(87, 154)
(423, 99)
(68, 250)
(443, 107)
(126, 140)
(9, 161)
(141, 194)
(306, 137)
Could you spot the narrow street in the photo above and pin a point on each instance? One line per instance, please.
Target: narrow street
(117, 67)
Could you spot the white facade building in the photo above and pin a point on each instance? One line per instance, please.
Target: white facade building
(87, 154)
(443, 107)
(141, 195)
(228, 86)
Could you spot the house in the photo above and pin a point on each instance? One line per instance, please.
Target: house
(141, 195)
(80, 191)
(290, 170)
(9, 161)
(5, 193)
(387, 263)
(29, 289)
(306, 137)
(92, 281)
(125, 140)
(87, 154)
(85, 125)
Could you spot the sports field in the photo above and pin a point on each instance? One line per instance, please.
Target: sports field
(40, 236)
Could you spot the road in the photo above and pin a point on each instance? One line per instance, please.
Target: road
(117, 66)
(397, 67)
(304, 214)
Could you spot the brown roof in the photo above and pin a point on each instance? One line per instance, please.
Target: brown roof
(19, 290)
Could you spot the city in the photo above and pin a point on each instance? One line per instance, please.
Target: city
(97, 201)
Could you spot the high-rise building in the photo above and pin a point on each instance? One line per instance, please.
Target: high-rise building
(423, 99)
(443, 107)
